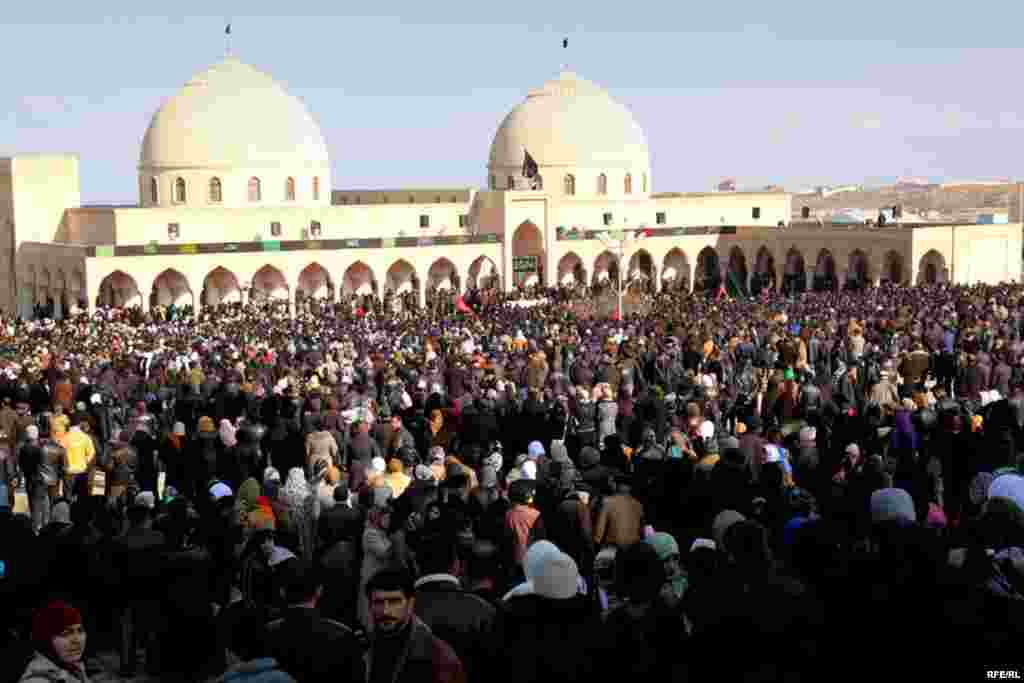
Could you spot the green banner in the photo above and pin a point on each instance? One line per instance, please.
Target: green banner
(271, 246)
(524, 264)
(151, 248)
(105, 250)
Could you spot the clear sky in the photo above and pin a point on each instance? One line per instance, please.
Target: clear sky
(410, 93)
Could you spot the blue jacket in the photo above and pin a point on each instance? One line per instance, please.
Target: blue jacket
(257, 671)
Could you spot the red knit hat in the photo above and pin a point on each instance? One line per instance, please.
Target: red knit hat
(50, 621)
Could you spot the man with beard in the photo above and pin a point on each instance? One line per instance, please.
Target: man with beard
(403, 648)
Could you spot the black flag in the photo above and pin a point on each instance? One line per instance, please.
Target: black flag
(227, 30)
(565, 43)
(529, 165)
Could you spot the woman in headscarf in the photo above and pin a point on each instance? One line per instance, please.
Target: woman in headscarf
(255, 510)
(378, 553)
(227, 458)
(301, 503)
(665, 546)
(607, 411)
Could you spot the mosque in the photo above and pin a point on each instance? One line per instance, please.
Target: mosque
(236, 202)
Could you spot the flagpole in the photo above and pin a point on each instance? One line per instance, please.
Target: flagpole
(227, 39)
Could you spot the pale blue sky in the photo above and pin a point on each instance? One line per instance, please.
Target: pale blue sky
(793, 93)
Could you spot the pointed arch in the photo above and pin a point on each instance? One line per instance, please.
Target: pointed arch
(316, 188)
(764, 271)
(708, 277)
(119, 290)
(171, 287)
(221, 286)
(569, 184)
(825, 272)
(675, 270)
(154, 191)
(571, 270)
(606, 268)
(180, 193)
(642, 271)
(893, 268)
(359, 279)
(315, 283)
(483, 274)
(602, 184)
(931, 269)
(289, 189)
(794, 279)
(627, 184)
(528, 248)
(442, 274)
(268, 284)
(858, 270)
(401, 277)
(736, 280)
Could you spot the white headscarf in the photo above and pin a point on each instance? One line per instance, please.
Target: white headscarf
(295, 490)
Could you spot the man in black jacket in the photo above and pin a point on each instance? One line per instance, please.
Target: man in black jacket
(307, 645)
(461, 619)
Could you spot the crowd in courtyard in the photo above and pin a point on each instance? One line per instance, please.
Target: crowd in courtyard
(706, 487)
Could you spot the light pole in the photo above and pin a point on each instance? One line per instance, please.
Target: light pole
(620, 242)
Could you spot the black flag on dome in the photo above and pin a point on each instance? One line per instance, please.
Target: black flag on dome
(565, 43)
(529, 165)
(227, 30)
(530, 169)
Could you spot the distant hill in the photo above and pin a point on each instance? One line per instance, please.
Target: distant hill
(935, 202)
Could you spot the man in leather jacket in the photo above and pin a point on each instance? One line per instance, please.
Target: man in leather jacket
(38, 475)
(9, 476)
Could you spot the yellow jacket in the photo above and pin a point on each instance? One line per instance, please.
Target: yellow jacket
(80, 451)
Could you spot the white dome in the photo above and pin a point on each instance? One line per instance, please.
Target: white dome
(232, 116)
(570, 123)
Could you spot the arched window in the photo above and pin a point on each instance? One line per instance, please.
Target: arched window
(216, 192)
(493, 182)
(289, 190)
(627, 184)
(602, 184)
(539, 180)
(316, 188)
(511, 183)
(254, 189)
(644, 190)
(154, 193)
(179, 190)
(570, 184)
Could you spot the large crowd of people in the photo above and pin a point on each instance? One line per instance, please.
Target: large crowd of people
(708, 487)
